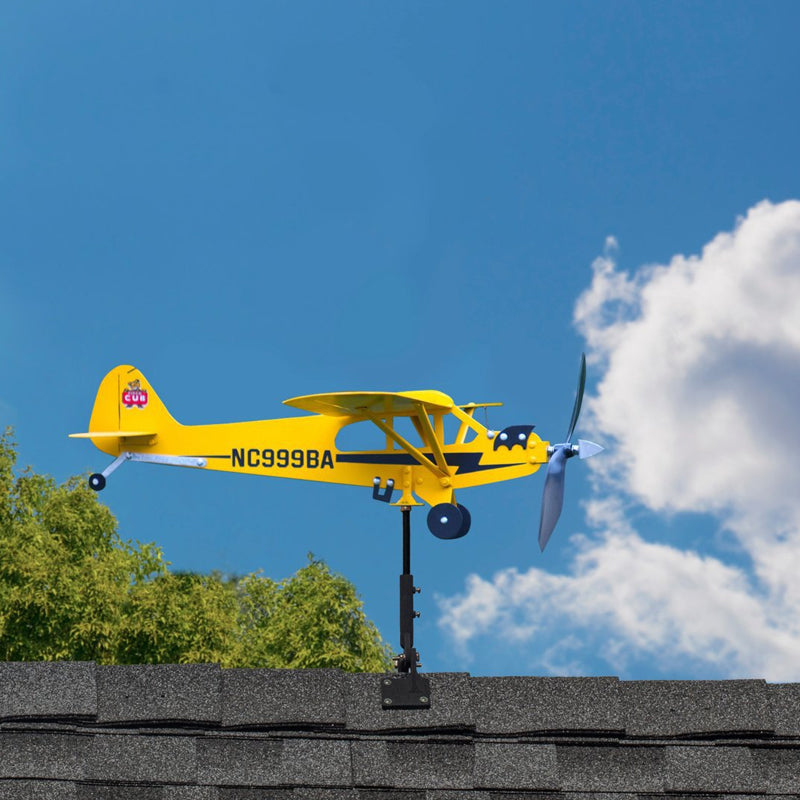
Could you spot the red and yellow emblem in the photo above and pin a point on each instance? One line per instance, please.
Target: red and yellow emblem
(134, 396)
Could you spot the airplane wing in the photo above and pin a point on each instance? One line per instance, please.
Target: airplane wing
(366, 405)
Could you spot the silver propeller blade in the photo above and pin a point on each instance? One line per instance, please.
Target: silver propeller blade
(553, 496)
(576, 410)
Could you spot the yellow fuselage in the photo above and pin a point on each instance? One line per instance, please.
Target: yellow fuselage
(304, 448)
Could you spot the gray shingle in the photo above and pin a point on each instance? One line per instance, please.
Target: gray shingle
(515, 765)
(101, 791)
(778, 768)
(250, 793)
(239, 761)
(698, 795)
(54, 755)
(247, 761)
(316, 761)
(413, 765)
(450, 704)
(391, 794)
(712, 768)
(517, 705)
(533, 796)
(681, 708)
(608, 796)
(784, 702)
(457, 794)
(37, 790)
(136, 757)
(294, 698)
(60, 689)
(158, 693)
(190, 793)
(611, 768)
(436, 765)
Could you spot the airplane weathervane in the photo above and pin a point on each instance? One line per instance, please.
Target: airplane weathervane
(130, 422)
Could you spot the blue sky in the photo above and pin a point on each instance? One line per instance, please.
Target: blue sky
(253, 201)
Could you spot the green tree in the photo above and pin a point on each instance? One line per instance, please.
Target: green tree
(72, 589)
(313, 619)
(179, 618)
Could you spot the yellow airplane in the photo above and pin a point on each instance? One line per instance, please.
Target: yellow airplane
(130, 422)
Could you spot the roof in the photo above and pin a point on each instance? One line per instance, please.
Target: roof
(197, 732)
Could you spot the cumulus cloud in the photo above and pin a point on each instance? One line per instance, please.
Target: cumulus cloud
(700, 363)
(628, 598)
(702, 369)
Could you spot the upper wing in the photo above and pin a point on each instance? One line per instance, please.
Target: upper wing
(365, 405)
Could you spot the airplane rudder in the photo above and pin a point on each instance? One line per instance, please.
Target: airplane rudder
(139, 404)
(126, 401)
(106, 409)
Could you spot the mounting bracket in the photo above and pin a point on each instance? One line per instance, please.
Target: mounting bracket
(406, 691)
(384, 496)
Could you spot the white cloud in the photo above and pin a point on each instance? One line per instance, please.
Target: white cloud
(702, 371)
(698, 400)
(647, 599)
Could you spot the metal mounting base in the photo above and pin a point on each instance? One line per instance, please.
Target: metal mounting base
(408, 690)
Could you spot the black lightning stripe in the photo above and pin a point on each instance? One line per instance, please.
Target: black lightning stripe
(465, 462)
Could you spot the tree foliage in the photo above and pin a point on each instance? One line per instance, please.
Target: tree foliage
(72, 589)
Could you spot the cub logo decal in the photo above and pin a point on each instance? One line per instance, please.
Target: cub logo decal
(134, 396)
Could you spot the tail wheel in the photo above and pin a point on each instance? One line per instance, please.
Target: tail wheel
(449, 521)
(97, 482)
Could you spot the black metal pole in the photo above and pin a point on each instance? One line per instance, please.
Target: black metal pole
(409, 689)
(406, 512)
(408, 660)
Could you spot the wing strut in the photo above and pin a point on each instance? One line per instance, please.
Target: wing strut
(431, 439)
(408, 447)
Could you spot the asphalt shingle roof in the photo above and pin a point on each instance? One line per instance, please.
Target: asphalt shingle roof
(77, 731)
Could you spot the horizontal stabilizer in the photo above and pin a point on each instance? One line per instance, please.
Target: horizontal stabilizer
(113, 435)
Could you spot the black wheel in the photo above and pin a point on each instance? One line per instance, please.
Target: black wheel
(466, 521)
(445, 521)
(97, 482)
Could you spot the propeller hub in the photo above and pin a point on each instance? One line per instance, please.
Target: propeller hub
(568, 448)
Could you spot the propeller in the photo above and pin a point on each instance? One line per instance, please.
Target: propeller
(553, 496)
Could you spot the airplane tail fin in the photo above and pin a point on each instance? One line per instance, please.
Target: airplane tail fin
(126, 410)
